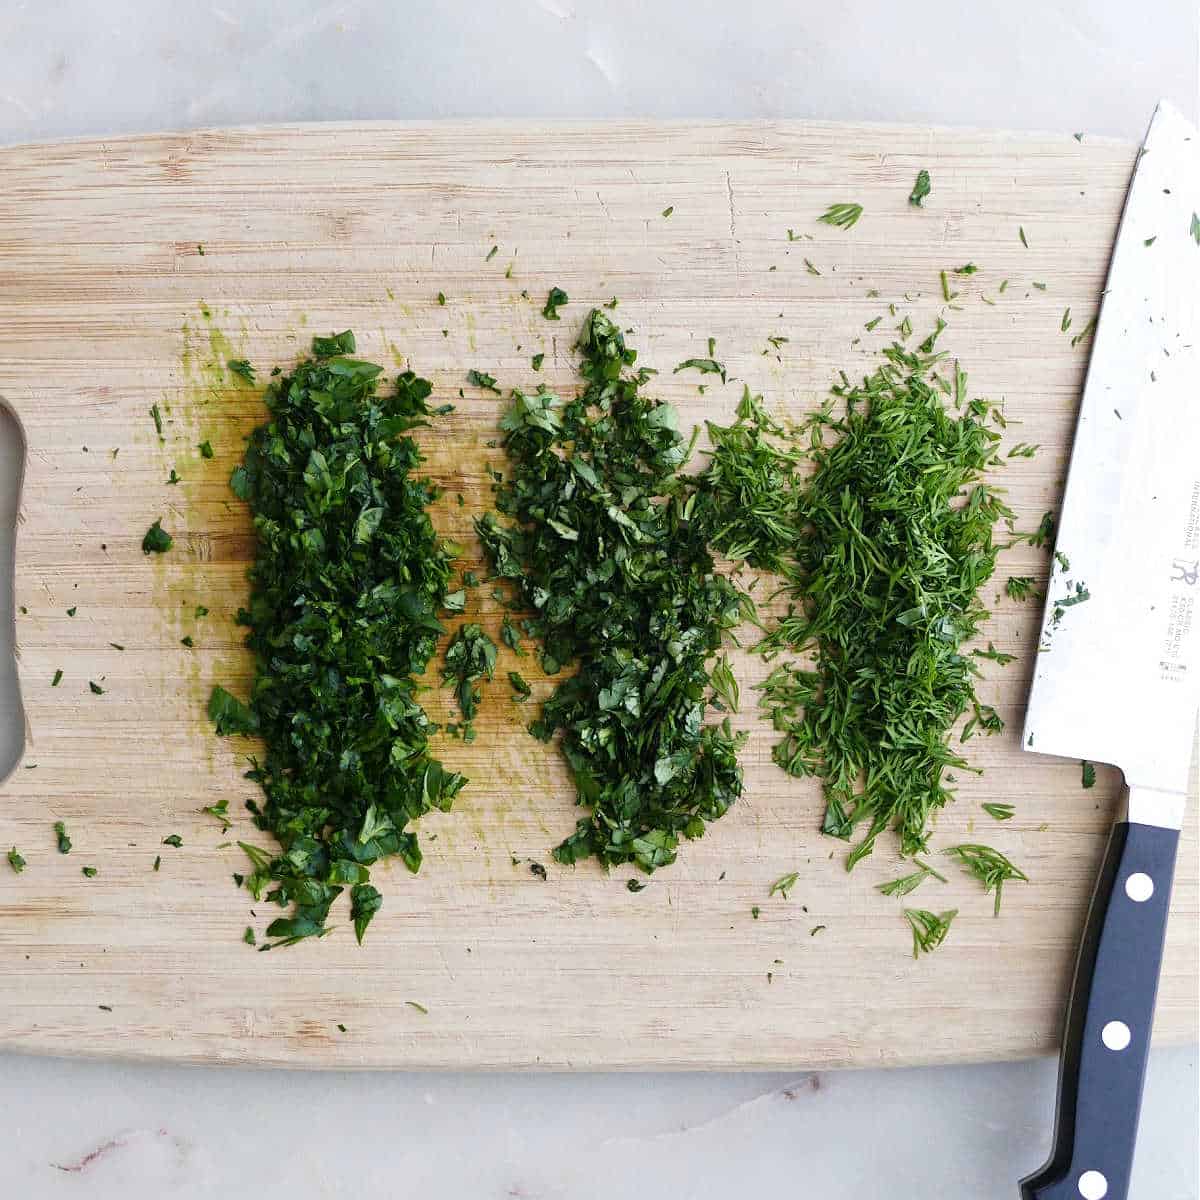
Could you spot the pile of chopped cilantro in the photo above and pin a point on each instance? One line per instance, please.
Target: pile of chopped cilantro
(881, 527)
(603, 550)
(348, 580)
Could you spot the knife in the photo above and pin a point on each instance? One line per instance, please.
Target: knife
(1117, 675)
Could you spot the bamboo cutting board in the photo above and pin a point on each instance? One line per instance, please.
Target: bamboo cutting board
(130, 269)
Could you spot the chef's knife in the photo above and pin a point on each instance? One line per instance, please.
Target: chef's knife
(1117, 678)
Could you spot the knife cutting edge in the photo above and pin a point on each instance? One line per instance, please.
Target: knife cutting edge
(1117, 677)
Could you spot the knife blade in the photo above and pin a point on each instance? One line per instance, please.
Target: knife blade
(1117, 675)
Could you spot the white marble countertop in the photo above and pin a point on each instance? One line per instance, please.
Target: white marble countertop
(113, 1130)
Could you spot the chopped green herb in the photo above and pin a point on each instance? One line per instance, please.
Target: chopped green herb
(157, 861)
(844, 216)
(995, 655)
(441, 299)
(1089, 774)
(116, 645)
(536, 361)
(16, 861)
(174, 477)
(95, 688)
(248, 937)
(634, 885)
(511, 637)
(1019, 587)
(989, 866)
(57, 678)
(876, 618)
(1003, 285)
(784, 884)
(241, 368)
(554, 301)
(909, 883)
(754, 911)
(187, 641)
(64, 841)
(335, 345)
(817, 929)
(1037, 283)
(1084, 333)
(947, 294)
(201, 611)
(470, 656)
(1021, 235)
(928, 929)
(596, 508)
(173, 839)
(808, 266)
(776, 341)
(229, 714)
(1023, 450)
(1194, 228)
(365, 902)
(348, 578)
(206, 450)
(521, 690)
(492, 253)
(1065, 324)
(666, 212)
(920, 189)
(872, 323)
(706, 366)
(483, 380)
(966, 269)
(220, 810)
(89, 872)
(1150, 240)
(157, 415)
(72, 611)
(999, 812)
(157, 539)
(419, 1007)
(724, 684)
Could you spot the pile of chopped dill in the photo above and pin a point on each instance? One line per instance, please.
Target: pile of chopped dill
(875, 515)
(348, 580)
(602, 549)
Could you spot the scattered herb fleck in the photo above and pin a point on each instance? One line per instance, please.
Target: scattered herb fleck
(554, 301)
(920, 189)
(989, 866)
(999, 812)
(844, 216)
(928, 929)
(16, 861)
(64, 840)
(157, 539)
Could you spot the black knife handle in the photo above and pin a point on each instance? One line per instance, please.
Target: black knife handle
(1109, 1016)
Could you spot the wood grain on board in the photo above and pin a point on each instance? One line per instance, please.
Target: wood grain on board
(104, 291)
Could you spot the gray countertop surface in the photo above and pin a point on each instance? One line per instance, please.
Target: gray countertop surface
(109, 1129)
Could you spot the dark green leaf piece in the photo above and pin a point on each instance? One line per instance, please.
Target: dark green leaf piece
(348, 579)
(598, 535)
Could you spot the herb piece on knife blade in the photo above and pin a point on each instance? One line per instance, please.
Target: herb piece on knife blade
(348, 578)
(844, 216)
(989, 866)
(601, 543)
(157, 539)
(883, 540)
(928, 929)
(920, 189)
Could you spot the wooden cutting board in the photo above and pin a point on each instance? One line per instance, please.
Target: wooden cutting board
(131, 268)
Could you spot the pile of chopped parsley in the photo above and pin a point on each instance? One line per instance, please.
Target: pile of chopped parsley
(348, 581)
(875, 514)
(602, 549)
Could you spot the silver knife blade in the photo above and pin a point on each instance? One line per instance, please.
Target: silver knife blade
(1117, 676)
